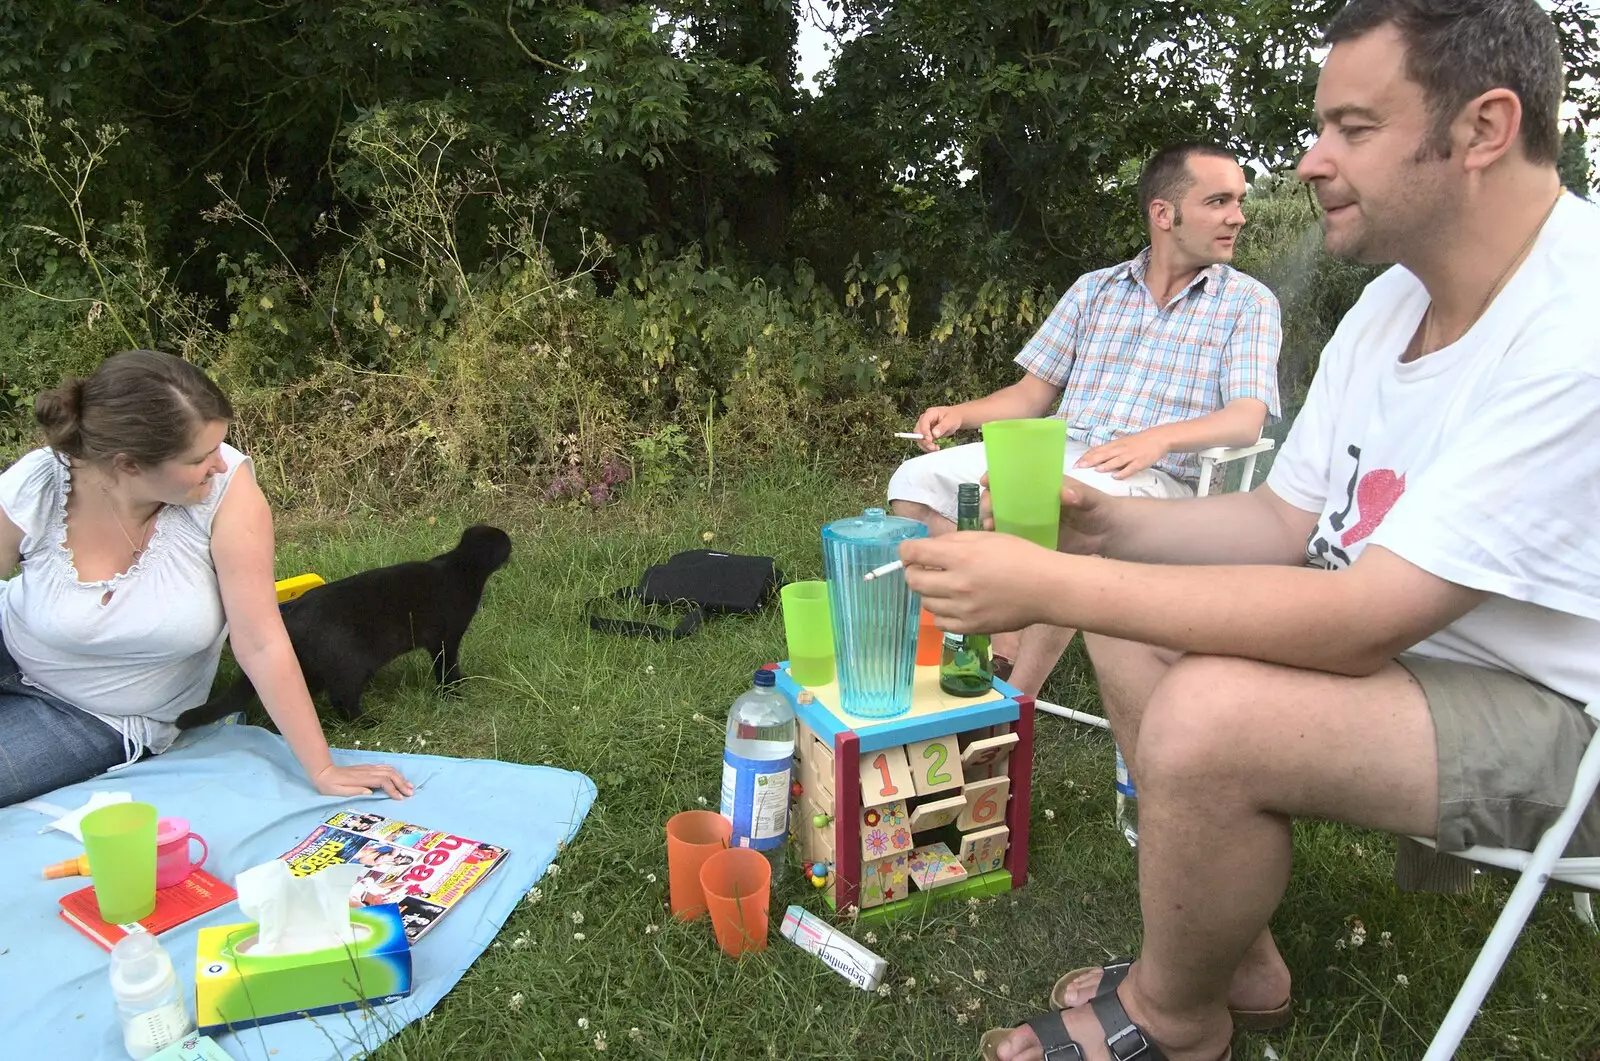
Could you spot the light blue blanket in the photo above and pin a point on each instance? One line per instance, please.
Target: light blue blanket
(242, 790)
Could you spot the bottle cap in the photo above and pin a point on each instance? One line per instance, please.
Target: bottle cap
(969, 493)
(141, 972)
(764, 679)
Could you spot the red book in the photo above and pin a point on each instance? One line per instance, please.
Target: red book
(193, 896)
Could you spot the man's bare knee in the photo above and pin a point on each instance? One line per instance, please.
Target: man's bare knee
(1127, 673)
(935, 522)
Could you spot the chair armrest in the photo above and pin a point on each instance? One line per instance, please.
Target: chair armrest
(1224, 454)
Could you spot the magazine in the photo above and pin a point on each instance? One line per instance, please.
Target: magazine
(424, 871)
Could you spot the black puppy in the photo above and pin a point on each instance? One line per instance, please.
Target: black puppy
(344, 631)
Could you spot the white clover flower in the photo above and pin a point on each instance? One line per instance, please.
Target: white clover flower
(600, 1041)
(700, 800)
(650, 877)
(651, 930)
(908, 983)
(962, 1018)
(583, 1023)
(1005, 989)
(872, 937)
(649, 668)
(515, 1001)
(1403, 980)
(577, 917)
(635, 1035)
(534, 895)
(979, 976)
(1049, 815)
(554, 870)
(579, 936)
(884, 991)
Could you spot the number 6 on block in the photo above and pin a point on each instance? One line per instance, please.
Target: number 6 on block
(935, 765)
(986, 803)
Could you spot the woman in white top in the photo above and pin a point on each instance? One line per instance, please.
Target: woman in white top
(144, 541)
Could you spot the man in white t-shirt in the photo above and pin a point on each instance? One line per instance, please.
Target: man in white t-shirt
(1398, 630)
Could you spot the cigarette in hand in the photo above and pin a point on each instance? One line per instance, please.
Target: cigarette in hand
(909, 434)
(879, 572)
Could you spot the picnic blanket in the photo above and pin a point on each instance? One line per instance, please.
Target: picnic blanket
(242, 790)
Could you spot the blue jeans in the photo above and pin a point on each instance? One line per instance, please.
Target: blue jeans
(46, 743)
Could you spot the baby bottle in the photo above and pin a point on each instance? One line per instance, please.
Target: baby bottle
(150, 1008)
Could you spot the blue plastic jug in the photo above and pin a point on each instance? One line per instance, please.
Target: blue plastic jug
(874, 623)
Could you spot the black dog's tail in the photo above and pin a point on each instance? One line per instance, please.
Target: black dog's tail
(236, 697)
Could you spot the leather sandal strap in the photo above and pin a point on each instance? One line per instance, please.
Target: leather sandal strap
(1125, 1039)
(1053, 1038)
(1112, 973)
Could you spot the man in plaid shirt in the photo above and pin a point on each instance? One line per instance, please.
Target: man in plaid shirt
(1148, 361)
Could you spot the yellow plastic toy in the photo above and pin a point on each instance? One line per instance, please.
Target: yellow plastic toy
(290, 588)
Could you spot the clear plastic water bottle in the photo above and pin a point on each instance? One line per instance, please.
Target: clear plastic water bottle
(1127, 803)
(151, 1009)
(756, 764)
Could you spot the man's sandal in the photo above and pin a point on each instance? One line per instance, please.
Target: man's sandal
(1125, 1039)
(1115, 971)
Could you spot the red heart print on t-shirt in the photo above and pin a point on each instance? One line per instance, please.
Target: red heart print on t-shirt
(1376, 494)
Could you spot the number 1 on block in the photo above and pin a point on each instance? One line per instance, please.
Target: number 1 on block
(885, 777)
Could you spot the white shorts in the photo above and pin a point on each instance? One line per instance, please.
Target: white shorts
(932, 478)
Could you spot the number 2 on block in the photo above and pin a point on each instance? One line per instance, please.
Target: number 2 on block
(936, 767)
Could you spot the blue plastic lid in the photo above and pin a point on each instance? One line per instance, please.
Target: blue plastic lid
(765, 679)
(874, 527)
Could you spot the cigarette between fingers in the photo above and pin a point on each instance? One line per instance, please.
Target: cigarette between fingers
(878, 572)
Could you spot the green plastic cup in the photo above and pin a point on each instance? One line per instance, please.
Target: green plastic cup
(1025, 459)
(120, 841)
(808, 626)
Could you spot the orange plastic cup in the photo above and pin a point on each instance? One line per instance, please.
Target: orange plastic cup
(738, 887)
(692, 837)
(930, 640)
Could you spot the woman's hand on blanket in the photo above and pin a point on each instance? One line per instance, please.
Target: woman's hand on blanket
(335, 780)
(1122, 457)
(975, 582)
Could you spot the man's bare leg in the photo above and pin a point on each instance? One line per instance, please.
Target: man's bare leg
(1038, 651)
(1229, 751)
(936, 523)
(1128, 674)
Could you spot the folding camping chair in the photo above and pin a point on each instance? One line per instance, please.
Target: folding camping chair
(1537, 868)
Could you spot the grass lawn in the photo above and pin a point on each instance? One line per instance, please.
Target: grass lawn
(593, 960)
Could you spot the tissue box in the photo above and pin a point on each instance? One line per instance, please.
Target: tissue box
(235, 989)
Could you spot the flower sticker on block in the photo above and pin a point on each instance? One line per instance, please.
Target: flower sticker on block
(885, 830)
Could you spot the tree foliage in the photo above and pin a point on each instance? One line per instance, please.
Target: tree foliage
(956, 142)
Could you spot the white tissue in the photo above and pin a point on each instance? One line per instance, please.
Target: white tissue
(71, 822)
(297, 914)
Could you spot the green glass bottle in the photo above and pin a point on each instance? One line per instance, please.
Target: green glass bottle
(966, 666)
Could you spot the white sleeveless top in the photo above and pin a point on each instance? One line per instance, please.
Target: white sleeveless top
(142, 658)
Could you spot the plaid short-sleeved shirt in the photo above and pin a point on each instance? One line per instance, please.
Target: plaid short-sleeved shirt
(1126, 364)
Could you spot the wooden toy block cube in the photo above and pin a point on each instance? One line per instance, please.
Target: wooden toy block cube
(951, 779)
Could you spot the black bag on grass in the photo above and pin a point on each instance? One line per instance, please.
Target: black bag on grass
(701, 580)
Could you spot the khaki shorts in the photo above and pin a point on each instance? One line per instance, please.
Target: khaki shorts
(932, 478)
(1508, 754)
